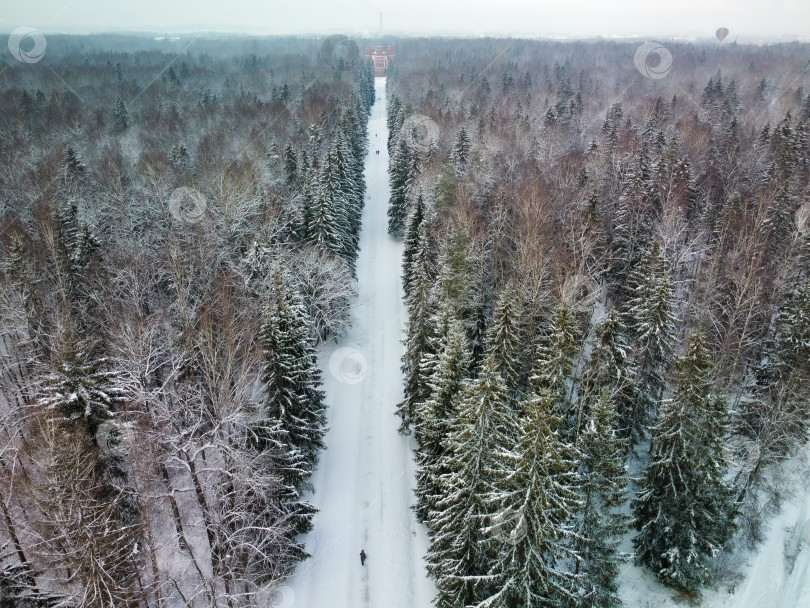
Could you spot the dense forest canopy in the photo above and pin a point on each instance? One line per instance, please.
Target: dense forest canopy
(179, 231)
(606, 271)
(605, 266)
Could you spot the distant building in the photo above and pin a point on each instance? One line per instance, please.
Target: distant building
(381, 58)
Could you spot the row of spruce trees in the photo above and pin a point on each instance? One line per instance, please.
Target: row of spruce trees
(531, 404)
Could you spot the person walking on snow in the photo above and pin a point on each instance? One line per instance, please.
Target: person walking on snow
(362, 557)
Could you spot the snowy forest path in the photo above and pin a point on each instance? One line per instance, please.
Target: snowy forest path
(364, 481)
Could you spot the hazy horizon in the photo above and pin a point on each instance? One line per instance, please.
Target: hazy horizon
(747, 20)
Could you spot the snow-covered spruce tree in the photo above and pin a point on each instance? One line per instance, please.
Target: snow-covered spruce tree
(366, 85)
(435, 416)
(290, 166)
(604, 488)
(631, 228)
(73, 167)
(786, 373)
(354, 123)
(503, 339)
(76, 243)
(120, 116)
(414, 171)
(607, 367)
(84, 504)
(396, 119)
(460, 284)
(482, 424)
(291, 375)
(685, 512)
(461, 151)
(534, 489)
(327, 225)
(418, 342)
(332, 208)
(411, 240)
(350, 205)
(398, 204)
(78, 387)
(441, 317)
(650, 322)
(303, 221)
(555, 360)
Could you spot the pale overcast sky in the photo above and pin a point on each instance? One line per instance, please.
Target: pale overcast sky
(782, 19)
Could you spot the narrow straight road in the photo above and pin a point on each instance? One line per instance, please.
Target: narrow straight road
(364, 481)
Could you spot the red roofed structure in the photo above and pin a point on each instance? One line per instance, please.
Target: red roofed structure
(381, 58)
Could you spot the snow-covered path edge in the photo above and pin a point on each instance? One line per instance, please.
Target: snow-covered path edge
(364, 481)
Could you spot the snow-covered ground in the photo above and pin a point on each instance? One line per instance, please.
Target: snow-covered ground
(364, 482)
(770, 579)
